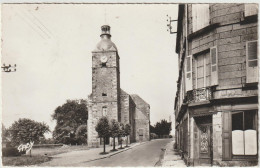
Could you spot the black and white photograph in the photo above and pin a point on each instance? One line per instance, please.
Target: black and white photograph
(129, 83)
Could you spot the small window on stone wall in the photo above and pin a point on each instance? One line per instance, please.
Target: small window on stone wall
(104, 111)
(104, 65)
(104, 94)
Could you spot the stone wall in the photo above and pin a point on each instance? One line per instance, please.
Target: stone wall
(229, 31)
(230, 37)
(105, 92)
(142, 119)
(128, 112)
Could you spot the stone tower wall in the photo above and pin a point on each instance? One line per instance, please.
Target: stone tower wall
(105, 91)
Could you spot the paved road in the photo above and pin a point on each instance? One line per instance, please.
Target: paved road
(146, 154)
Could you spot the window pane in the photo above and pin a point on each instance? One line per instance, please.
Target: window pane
(200, 61)
(214, 68)
(250, 142)
(238, 142)
(213, 56)
(207, 57)
(252, 63)
(250, 120)
(200, 72)
(188, 75)
(200, 82)
(237, 121)
(208, 81)
(207, 70)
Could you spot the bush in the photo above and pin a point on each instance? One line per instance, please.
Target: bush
(11, 151)
(153, 136)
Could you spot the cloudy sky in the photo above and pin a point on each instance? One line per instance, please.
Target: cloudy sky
(52, 43)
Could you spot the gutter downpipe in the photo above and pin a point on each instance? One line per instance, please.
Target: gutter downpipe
(187, 53)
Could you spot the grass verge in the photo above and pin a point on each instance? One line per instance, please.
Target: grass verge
(24, 160)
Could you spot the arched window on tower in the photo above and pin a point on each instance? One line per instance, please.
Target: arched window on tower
(104, 111)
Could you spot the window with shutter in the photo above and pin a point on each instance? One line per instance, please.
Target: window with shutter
(214, 65)
(251, 62)
(251, 9)
(188, 73)
(200, 16)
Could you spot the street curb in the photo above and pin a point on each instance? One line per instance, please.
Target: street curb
(112, 154)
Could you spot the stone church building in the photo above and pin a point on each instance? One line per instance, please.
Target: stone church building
(107, 97)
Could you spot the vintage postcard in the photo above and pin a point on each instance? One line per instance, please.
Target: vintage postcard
(129, 84)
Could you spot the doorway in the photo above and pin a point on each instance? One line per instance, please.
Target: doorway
(205, 144)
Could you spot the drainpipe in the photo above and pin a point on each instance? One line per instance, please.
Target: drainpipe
(187, 53)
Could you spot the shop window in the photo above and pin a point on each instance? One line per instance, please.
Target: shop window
(251, 62)
(200, 16)
(244, 133)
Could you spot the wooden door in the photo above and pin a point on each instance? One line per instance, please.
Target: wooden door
(205, 144)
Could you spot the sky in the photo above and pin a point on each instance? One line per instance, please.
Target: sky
(51, 45)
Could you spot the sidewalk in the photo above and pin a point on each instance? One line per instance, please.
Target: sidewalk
(83, 156)
(171, 157)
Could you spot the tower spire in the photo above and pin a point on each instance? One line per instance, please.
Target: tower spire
(105, 31)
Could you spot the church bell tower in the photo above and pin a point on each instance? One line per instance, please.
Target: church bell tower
(105, 97)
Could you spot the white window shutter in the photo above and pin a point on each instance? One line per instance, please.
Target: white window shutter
(194, 17)
(251, 62)
(188, 73)
(200, 16)
(251, 9)
(214, 65)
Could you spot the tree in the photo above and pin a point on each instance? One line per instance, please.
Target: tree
(121, 134)
(5, 134)
(82, 134)
(26, 130)
(152, 129)
(114, 129)
(162, 128)
(103, 130)
(127, 132)
(69, 117)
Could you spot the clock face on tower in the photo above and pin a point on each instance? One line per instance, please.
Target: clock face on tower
(103, 59)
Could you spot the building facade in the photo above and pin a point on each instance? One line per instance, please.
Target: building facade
(216, 103)
(107, 98)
